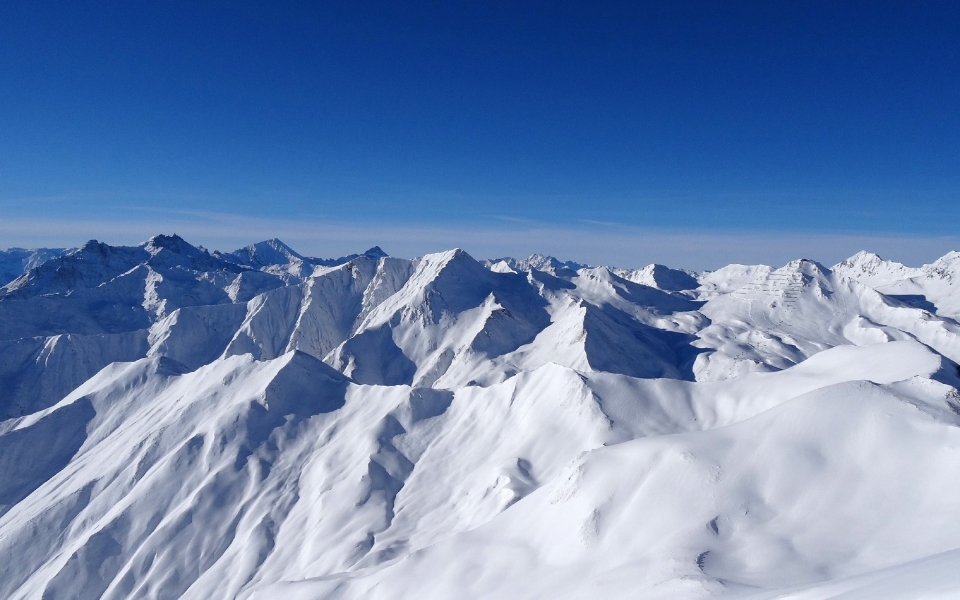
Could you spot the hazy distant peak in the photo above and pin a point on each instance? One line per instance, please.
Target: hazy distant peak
(14, 262)
(278, 245)
(537, 262)
(375, 252)
(266, 253)
(173, 243)
(863, 261)
(661, 277)
(870, 269)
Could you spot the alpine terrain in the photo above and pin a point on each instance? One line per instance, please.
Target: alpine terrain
(258, 424)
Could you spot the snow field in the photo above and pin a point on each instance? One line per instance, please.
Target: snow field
(260, 424)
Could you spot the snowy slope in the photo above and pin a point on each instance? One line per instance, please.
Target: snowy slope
(934, 287)
(260, 424)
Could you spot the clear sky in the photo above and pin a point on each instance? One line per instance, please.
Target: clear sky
(617, 132)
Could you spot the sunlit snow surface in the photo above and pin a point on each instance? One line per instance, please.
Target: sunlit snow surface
(260, 424)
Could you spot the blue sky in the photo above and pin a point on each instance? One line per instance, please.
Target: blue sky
(601, 131)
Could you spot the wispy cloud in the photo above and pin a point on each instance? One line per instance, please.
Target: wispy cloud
(593, 242)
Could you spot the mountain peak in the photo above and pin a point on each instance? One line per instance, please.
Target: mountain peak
(537, 262)
(946, 267)
(660, 277)
(870, 269)
(272, 252)
(865, 256)
(951, 257)
(173, 251)
(278, 245)
(92, 248)
(449, 256)
(90, 245)
(863, 260)
(805, 266)
(375, 252)
(173, 243)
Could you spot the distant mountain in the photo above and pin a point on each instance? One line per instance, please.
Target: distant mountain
(17, 261)
(662, 278)
(539, 262)
(179, 423)
(934, 287)
(268, 253)
(657, 276)
(276, 257)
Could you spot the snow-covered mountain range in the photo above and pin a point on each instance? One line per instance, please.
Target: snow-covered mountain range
(179, 423)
